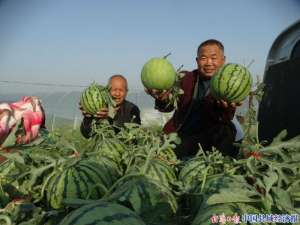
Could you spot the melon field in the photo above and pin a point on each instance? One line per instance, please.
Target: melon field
(134, 178)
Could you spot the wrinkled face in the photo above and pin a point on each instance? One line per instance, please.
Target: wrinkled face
(210, 58)
(118, 90)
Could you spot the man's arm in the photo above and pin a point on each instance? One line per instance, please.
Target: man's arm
(163, 106)
(86, 127)
(219, 111)
(161, 99)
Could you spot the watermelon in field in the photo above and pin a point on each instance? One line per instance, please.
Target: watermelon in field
(85, 179)
(232, 83)
(153, 201)
(110, 148)
(159, 74)
(94, 98)
(102, 213)
(157, 170)
(206, 164)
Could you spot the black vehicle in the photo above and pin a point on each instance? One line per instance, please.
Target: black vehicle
(280, 106)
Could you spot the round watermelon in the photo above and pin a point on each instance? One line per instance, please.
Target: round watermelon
(102, 213)
(84, 179)
(94, 98)
(232, 83)
(159, 74)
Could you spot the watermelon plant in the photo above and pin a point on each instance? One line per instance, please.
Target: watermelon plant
(232, 83)
(104, 144)
(50, 178)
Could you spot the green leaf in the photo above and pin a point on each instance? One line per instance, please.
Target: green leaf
(233, 195)
(269, 180)
(279, 137)
(11, 139)
(14, 157)
(283, 200)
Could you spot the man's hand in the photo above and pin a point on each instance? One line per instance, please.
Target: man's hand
(102, 114)
(225, 104)
(159, 95)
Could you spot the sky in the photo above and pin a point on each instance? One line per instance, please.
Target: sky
(76, 42)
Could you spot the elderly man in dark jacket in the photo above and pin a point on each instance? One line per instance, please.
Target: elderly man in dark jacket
(200, 118)
(125, 111)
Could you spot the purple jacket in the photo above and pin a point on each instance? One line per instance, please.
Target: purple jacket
(215, 113)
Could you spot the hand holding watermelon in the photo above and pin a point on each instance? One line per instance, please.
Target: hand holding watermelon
(226, 104)
(102, 113)
(159, 95)
(231, 83)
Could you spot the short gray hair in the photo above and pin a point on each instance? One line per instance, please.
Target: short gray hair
(118, 76)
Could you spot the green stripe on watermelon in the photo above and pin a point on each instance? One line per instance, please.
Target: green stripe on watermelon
(231, 82)
(78, 185)
(99, 174)
(245, 91)
(220, 78)
(97, 100)
(87, 103)
(238, 90)
(85, 184)
(91, 180)
(51, 196)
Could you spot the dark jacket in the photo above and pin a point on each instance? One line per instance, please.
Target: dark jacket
(128, 112)
(214, 114)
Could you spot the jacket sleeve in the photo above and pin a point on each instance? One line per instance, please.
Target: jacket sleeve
(86, 127)
(163, 106)
(135, 115)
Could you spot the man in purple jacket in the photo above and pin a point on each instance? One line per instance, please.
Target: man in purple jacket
(200, 118)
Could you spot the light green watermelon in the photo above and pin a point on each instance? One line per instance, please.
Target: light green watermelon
(159, 74)
(232, 83)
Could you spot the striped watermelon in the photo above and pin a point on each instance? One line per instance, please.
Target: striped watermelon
(159, 74)
(195, 172)
(84, 179)
(207, 164)
(157, 170)
(232, 83)
(94, 98)
(102, 213)
(110, 148)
